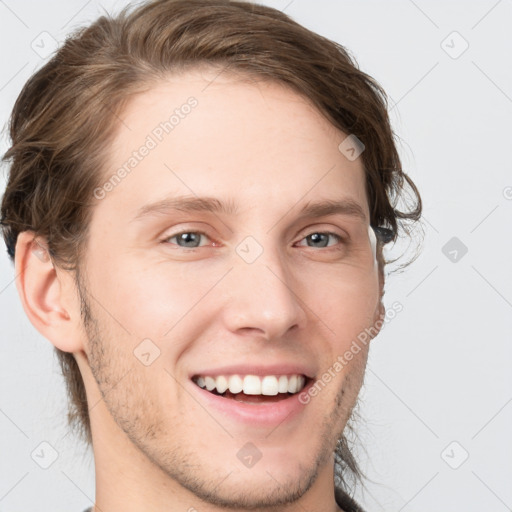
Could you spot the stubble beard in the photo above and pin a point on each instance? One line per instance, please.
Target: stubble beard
(182, 464)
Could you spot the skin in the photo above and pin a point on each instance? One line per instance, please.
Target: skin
(156, 446)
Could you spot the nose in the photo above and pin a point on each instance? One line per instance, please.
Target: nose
(262, 298)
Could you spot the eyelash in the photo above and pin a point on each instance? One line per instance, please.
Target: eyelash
(329, 233)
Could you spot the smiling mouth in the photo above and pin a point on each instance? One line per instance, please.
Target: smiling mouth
(253, 388)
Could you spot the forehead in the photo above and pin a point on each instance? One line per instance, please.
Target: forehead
(203, 133)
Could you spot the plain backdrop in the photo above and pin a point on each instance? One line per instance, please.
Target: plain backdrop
(435, 410)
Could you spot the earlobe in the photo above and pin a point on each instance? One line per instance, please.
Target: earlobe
(41, 293)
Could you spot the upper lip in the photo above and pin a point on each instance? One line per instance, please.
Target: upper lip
(256, 369)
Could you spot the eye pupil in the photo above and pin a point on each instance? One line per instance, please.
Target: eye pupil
(316, 237)
(189, 238)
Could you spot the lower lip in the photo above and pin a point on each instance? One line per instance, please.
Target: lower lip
(260, 414)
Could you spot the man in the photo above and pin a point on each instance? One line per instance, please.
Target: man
(198, 199)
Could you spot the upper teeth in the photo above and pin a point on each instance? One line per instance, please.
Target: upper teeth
(253, 384)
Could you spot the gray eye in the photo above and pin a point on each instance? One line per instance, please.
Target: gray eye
(188, 239)
(321, 239)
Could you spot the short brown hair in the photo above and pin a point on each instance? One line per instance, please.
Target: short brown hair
(67, 113)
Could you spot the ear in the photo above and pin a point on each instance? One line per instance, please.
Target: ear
(380, 311)
(46, 293)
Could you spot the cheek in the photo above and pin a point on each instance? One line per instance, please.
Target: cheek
(147, 301)
(157, 299)
(347, 306)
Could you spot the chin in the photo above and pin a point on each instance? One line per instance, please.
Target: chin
(261, 488)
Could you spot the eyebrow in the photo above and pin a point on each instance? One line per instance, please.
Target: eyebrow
(187, 204)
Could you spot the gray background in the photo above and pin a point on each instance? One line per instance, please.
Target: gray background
(438, 387)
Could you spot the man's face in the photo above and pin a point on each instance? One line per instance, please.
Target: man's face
(263, 292)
